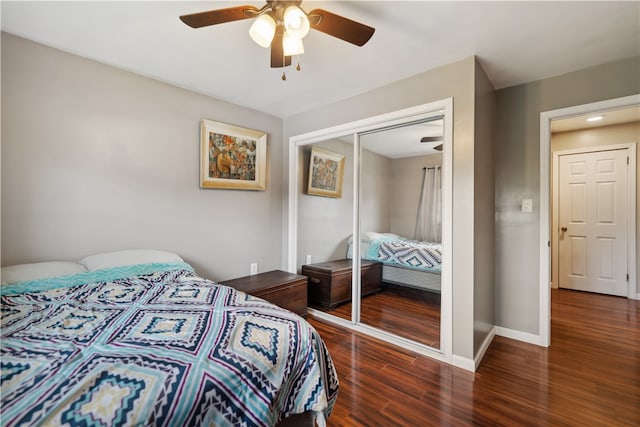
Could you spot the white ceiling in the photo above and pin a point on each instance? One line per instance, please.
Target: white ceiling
(402, 141)
(516, 42)
(609, 117)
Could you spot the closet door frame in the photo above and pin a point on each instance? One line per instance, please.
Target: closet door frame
(421, 112)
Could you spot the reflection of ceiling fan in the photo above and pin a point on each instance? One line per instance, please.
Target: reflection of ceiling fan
(426, 139)
(282, 25)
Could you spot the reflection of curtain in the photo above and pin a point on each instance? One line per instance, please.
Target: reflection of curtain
(429, 220)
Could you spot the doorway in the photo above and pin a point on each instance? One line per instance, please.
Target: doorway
(546, 120)
(591, 214)
(591, 217)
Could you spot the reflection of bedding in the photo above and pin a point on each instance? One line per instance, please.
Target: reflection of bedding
(155, 344)
(390, 248)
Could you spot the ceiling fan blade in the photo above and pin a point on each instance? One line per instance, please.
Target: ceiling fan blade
(426, 139)
(340, 27)
(219, 16)
(278, 59)
(431, 138)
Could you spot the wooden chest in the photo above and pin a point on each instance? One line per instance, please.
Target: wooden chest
(281, 288)
(330, 282)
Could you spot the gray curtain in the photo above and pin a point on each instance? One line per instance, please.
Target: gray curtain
(429, 218)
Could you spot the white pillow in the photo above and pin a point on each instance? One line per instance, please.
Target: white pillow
(369, 236)
(128, 257)
(39, 270)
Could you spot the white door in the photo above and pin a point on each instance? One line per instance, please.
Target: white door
(592, 204)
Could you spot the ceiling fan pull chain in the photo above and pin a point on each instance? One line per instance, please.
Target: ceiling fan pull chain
(298, 68)
(284, 64)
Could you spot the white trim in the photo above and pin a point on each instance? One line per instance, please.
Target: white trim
(544, 300)
(544, 316)
(356, 290)
(519, 335)
(392, 339)
(484, 347)
(632, 249)
(419, 112)
(631, 205)
(463, 362)
(446, 285)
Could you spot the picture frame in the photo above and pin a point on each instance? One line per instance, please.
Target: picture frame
(326, 170)
(232, 157)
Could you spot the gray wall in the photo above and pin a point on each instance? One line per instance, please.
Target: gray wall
(517, 170)
(324, 223)
(455, 80)
(407, 176)
(596, 137)
(484, 201)
(376, 190)
(97, 159)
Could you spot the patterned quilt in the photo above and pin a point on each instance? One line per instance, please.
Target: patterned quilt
(166, 347)
(408, 253)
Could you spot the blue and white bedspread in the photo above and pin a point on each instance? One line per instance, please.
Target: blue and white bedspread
(162, 346)
(408, 253)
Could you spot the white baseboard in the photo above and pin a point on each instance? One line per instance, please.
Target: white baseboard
(463, 362)
(483, 348)
(519, 335)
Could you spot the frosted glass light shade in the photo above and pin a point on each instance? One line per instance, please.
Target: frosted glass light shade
(296, 22)
(292, 45)
(262, 30)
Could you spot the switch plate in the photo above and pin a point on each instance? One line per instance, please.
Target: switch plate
(254, 268)
(308, 259)
(527, 205)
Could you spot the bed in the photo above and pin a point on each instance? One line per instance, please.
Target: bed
(138, 338)
(405, 262)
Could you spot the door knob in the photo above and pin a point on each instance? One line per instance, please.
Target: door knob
(563, 229)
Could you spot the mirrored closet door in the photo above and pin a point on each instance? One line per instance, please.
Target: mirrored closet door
(400, 230)
(325, 222)
(369, 228)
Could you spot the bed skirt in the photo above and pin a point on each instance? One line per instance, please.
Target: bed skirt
(404, 276)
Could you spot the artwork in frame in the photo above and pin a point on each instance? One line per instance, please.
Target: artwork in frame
(325, 173)
(232, 157)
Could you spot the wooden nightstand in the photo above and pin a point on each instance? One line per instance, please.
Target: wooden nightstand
(286, 290)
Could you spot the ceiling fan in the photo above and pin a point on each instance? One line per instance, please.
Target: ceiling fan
(282, 25)
(426, 139)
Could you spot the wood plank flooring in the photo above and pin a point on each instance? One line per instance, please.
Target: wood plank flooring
(405, 311)
(590, 376)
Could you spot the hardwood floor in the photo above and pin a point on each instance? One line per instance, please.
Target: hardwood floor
(408, 312)
(590, 376)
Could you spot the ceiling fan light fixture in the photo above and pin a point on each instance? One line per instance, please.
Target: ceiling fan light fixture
(296, 22)
(263, 29)
(291, 45)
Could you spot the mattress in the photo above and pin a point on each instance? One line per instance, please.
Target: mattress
(413, 278)
(155, 344)
(392, 249)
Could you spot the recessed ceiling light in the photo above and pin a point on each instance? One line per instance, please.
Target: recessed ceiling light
(595, 118)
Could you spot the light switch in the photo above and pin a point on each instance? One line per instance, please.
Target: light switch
(527, 205)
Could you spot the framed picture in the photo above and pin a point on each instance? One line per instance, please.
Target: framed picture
(232, 157)
(325, 173)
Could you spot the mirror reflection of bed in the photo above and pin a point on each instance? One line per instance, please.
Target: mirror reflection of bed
(400, 213)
